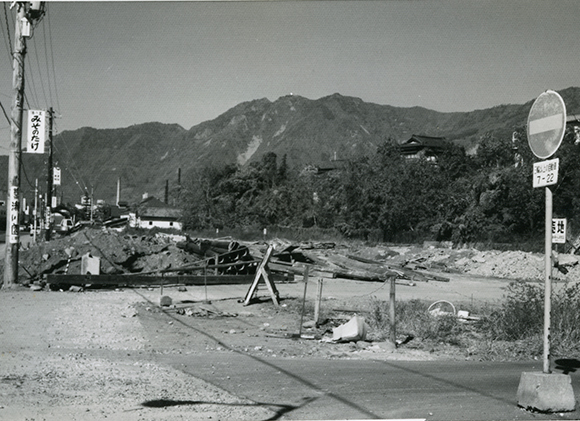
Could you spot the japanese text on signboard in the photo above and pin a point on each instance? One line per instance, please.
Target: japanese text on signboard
(546, 172)
(559, 230)
(56, 176)
(36, 134)
(13, 211)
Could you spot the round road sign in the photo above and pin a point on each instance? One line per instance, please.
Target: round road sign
(546, 124)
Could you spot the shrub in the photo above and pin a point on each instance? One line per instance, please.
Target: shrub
(413, 319)
(521, 317)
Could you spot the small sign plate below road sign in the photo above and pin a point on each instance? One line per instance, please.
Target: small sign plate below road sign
(546, 172)
(546, 124)
(559, 230)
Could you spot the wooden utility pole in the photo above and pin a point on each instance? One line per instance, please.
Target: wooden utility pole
(35, 208)
(13, 214)
(49, 179)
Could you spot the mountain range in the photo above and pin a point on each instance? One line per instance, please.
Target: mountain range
(146, 157)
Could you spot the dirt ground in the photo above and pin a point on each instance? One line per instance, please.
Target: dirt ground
(93, 354)
(86, 356)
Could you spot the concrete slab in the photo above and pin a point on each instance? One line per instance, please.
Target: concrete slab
(546, 392)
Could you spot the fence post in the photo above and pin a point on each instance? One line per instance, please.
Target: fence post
(392, 312)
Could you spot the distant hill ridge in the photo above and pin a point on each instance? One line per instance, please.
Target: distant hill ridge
(145, 156)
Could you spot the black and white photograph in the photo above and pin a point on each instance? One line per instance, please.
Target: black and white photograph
(289, 210)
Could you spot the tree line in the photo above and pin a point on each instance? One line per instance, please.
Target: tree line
(481, 197)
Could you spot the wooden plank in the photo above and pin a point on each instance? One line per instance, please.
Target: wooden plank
(138, 280)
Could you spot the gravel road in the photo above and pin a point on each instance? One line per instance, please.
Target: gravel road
(67, 356)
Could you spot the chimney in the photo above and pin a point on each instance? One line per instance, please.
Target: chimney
(166, 191)
(118, 190)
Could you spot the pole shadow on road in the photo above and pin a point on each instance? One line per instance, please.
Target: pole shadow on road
(567, 365)
(299, 379)
(281, 411)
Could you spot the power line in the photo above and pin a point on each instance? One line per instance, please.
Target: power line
(33, 93)
(71, 162)
(52, 57)
(39, 71)
(5, 114)
(7, 30)
(46, 61)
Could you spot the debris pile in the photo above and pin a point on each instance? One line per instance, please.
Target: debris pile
(218, 260)
(119, 254)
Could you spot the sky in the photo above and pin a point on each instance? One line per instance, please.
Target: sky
(116, 64)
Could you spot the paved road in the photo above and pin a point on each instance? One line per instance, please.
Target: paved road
(328, 389)
(312, 389)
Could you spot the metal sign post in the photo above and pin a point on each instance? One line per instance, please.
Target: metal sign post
(546, 391)
(547, 282)
(546, 126)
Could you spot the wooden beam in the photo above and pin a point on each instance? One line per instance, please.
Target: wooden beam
(145, 280)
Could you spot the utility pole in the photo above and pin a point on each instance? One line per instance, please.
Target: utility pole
(26, 13)
(13, 214)
(35, 208)
(49, 178)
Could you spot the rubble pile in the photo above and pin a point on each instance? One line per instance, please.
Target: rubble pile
(121, 253)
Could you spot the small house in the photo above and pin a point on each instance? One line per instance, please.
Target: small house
(153, 213)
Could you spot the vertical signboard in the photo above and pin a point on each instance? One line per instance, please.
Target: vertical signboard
(559, 230)
(13, 212)
(56, 176)
(36, 134)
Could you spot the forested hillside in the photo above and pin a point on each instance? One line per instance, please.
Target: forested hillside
(385, 197)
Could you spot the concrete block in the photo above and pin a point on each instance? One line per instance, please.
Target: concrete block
(165, 301)
(90, 264)
(546, 392)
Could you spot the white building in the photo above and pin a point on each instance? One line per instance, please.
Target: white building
(153, 213)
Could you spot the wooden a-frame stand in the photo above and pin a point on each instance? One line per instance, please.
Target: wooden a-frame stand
(262, 272)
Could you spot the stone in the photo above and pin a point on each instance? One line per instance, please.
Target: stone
(165, 301)
(546, 392)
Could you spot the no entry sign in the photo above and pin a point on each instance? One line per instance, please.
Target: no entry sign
(546, 124)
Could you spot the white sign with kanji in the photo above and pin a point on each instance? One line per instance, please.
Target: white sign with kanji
(36, 134)
(56, 176)
(559, 230)
(13, 225)
(546, 172)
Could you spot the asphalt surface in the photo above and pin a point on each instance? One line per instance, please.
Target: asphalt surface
(332, 389)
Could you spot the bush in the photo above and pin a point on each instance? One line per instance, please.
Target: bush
(521, 317)
(413, 319)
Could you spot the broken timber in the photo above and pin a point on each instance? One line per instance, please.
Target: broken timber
(147, 280)
(263, 272)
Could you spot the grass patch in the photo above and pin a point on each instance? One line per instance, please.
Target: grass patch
(511, 331)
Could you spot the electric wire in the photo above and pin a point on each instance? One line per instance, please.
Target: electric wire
(33, 91)
(70, 161)
(8, 31)
(48, 72)
(52, 58)
(39, 71)
(23, 168)
(5, 114)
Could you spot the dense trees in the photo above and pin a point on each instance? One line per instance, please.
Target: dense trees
(487, 196)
